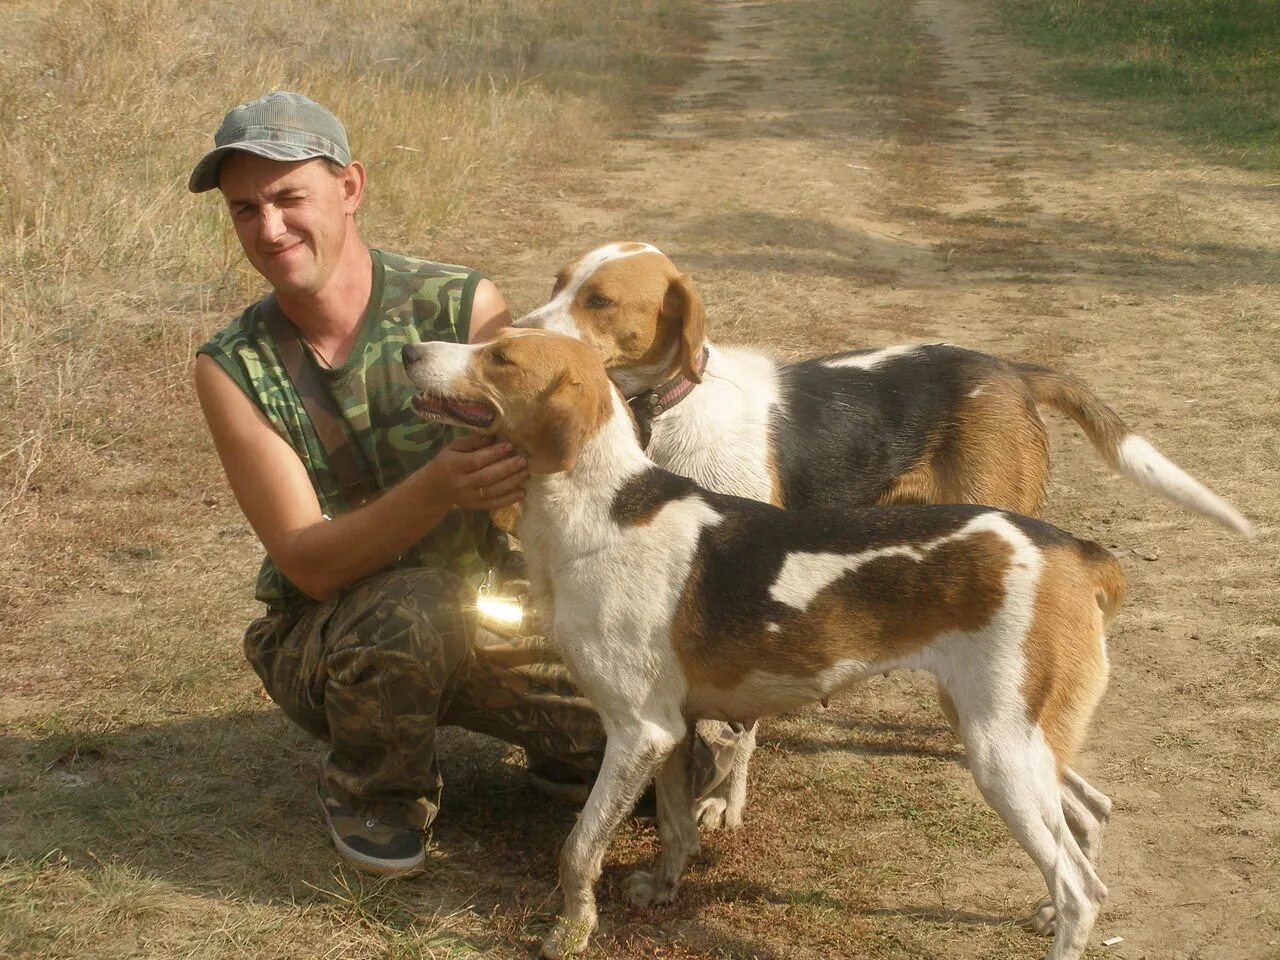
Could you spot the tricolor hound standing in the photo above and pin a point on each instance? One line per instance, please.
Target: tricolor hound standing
(750, 610)
(922, 423)
(917, 423)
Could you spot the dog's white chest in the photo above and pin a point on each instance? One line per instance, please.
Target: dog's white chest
(719, 436)
(614, 604)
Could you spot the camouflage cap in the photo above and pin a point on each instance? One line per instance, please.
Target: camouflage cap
(280, 126)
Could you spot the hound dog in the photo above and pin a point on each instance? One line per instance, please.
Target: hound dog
(919, 423)
(750, 610)
(915, 423)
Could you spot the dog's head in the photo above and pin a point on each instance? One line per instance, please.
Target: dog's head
(631, 304)
(544, 392)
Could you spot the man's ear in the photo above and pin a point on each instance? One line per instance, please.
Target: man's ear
(353, 181)
(562, 427)
(682, 301)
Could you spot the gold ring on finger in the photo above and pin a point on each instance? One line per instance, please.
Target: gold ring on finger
(483, 495)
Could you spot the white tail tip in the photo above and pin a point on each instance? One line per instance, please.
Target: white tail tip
(1144, 464)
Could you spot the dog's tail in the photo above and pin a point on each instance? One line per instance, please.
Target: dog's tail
(1124, 451)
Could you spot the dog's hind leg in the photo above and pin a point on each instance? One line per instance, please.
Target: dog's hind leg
(1087, 811)
(1017, 774)
(737, 785)
(631, 756)
(724, 805)
(677, 833)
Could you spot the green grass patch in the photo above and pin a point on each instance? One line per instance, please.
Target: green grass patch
(867, 46)
(1206, 70)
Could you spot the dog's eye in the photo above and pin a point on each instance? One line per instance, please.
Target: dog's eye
(598, 301)
(500, 358)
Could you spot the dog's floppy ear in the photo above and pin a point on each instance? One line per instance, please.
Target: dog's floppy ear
(506, 519)
(563, 424)
(682, 301)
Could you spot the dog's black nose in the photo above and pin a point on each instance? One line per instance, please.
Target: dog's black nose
(410, 353)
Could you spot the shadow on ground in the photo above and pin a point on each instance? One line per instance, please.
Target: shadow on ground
(968, 249)
(223, 806)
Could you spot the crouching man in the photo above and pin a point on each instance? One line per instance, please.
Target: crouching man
(374, 521)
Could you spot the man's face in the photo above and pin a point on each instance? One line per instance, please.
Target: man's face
(292, 218)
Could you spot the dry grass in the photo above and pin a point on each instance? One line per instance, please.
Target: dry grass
(153, 803)
(112, 273)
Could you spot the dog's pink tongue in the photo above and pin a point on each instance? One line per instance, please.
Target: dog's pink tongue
(476, 410)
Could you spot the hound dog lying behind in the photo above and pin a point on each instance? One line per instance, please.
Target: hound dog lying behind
(922, 423)
(749, 610)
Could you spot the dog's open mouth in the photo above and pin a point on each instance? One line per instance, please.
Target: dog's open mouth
(469, 413)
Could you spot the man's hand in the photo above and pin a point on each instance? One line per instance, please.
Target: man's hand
(480, 473)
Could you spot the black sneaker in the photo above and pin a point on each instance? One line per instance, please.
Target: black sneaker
(561, 782)
(371, 845)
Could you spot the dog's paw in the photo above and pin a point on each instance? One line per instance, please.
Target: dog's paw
(569, 937)
(1044, 918)
(715, 813)
(637, 889)
(710, 813)
(644, 889)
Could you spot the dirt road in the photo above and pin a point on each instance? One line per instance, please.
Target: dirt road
(983, 209)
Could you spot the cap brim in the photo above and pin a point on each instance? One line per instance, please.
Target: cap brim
(205, 175)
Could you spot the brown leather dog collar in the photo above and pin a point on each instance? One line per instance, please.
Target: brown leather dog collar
(651, 403)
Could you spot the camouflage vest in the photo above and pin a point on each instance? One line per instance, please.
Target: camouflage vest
(411, 301)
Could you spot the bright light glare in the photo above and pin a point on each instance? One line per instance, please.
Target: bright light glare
(506, 612)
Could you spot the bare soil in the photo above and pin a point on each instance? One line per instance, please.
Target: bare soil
(979, 207)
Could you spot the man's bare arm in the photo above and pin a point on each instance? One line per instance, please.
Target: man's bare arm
(322, 556)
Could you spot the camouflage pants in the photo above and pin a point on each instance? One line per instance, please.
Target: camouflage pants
(377, 668)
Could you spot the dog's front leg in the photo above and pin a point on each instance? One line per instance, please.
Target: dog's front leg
(631, 756)
(677, 832)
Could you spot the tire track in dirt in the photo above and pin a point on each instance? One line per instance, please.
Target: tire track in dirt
(995, 214)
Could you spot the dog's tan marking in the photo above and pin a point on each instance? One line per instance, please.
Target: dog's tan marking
(993, 451)
(507, 518)
(1070, 397)
(640, 311)
(1064, 654)
(548, 390)
(922, 482)
(643, 516)
(883, 609)
(775, 477)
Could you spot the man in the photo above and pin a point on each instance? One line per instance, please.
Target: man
(369, 640)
